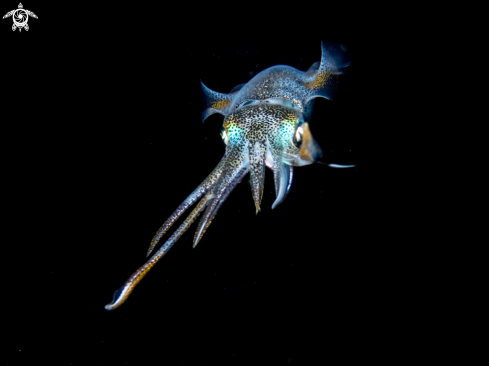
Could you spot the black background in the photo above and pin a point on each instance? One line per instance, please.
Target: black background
(103, 140)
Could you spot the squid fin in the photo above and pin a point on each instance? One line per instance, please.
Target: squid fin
(215, 102)
(324, 80)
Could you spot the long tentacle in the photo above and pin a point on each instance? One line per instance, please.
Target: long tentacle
(238, 167)
(230, 171)
(209, 182)
(121, 295)
(212, 208)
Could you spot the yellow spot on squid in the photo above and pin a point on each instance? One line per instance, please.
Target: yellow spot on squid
(320, 80)
(220, 104)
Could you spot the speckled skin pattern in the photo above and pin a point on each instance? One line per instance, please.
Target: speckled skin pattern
(285, 82)
(264, 125)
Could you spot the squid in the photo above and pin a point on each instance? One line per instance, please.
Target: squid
(265, 125)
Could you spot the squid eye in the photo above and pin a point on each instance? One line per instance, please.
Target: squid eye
(298, 136)
(224, 136)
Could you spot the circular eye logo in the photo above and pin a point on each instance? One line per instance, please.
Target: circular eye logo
(20, 17)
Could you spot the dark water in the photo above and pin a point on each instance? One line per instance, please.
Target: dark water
(105, 140)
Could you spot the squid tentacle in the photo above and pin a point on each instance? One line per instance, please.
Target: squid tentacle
(220, 183)
(220, 193)
(282, 175)
(257, 171)
(211, 210)
(202, 189)
(121, 295)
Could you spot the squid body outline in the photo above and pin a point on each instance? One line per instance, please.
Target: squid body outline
(265, 124)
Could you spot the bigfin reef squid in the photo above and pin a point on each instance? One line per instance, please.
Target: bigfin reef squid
(265, 124)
